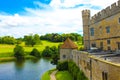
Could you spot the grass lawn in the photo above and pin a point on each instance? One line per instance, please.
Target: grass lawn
(7, 50)
(46, 75)
(63, 75)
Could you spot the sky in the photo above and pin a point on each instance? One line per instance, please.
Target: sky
(24, 17)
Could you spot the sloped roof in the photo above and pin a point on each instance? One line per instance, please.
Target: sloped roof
(69, 44)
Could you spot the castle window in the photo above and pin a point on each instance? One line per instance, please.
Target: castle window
(92, 31)
(101, 45)
(104, 76)
(64, 56)
(108, 41)
(119, 20)
(108, 29)
(93, 45)
(109, 48)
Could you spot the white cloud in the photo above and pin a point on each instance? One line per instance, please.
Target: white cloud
(51, 20)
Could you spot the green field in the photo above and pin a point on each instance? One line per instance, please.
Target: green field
(63, 75)
(7, 50)
(46, 75)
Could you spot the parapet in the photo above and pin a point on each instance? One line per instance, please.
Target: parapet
(107, 12)
(86, 12)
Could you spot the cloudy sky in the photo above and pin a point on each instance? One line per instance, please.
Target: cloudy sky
(22, 17)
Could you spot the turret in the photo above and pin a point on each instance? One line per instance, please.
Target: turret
(86, 23)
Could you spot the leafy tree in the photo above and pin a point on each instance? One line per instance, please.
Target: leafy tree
(18, 52)
(55, 37)
(47, 52)
(32, 39)
(55, 58)
(35, 53)
(61, 66)
(7, 40)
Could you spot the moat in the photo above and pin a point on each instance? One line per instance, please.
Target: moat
(24, 70)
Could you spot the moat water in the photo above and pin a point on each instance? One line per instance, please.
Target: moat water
(24, 70)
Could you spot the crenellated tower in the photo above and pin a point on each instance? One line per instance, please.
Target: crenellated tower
(86, 23)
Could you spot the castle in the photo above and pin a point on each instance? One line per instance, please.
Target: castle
(103, 29)
(103, 32)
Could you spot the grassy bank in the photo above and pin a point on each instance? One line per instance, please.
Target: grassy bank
(7, 59)
(46, 75)
(63, 75)
(7, 50)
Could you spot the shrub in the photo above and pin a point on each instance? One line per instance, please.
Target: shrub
(76, 73)
(18, 52)
(55, 58)
(35, 53)
(61, 66)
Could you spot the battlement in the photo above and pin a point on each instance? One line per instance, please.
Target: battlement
(86, 12)
(109, 11)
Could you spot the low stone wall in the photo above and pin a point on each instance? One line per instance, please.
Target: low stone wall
(96, 68)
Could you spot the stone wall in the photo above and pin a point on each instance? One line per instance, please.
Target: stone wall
(95, 68)
(109, 11)
(65, 54)
(100, 34)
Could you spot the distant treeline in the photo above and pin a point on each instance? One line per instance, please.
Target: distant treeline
(35, 39)
(55, 37)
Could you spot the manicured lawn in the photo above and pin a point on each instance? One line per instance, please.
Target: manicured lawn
(63, 75)
(7, 50)
(46, 76)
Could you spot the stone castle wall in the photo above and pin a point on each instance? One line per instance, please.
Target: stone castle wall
(108, 17)
(94, 68)
(107, 12)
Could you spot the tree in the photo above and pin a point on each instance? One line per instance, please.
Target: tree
(7, 40)
(47, 52)
(18, 52)
(32, 39)
(55, 58)
(35, 53)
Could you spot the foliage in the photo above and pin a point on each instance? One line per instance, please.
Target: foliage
(76, 73)
(7, 50)
(61, 66)
(55, 58)
(18, 52)
(63, 75)
(35, 53)
(55, 37)
(7, 40)
(49, 51)
(32, 39)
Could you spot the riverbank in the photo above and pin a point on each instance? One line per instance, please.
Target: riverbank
(46, 75)
(8, 59)
(59, 75)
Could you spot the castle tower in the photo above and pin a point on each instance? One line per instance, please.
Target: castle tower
(86, 23)
(66, 50)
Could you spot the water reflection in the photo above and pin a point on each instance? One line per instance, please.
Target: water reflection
(24, 69)
(19, 64)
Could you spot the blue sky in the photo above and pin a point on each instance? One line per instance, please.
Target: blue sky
(22, 17)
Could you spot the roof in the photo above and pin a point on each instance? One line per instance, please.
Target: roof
(69, 44)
